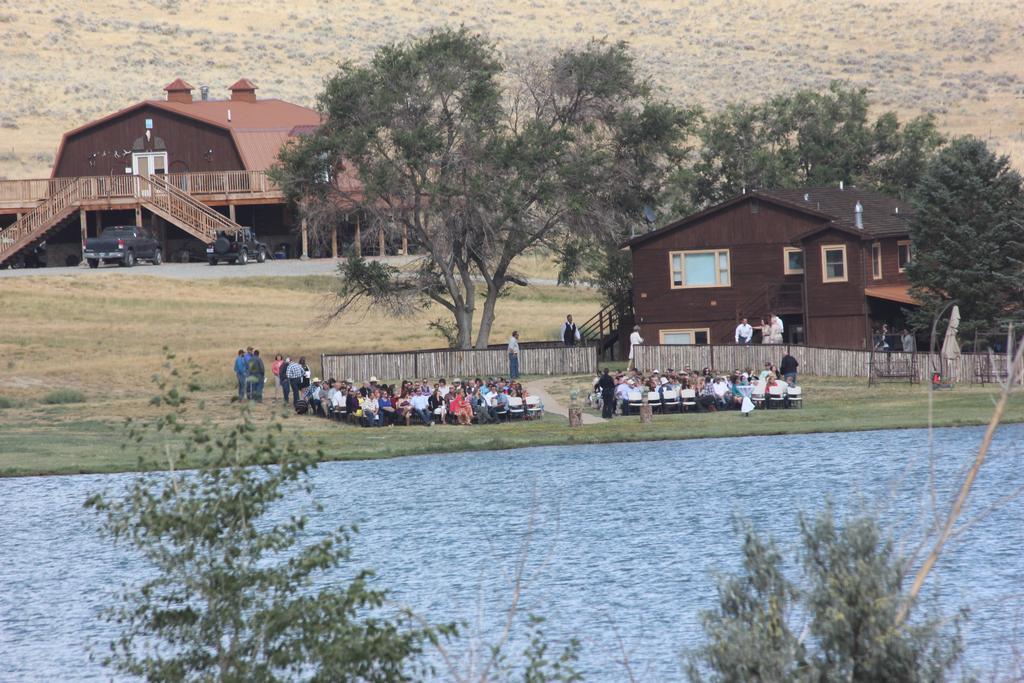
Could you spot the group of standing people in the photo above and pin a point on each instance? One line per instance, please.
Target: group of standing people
(251, 375)
(771, 331)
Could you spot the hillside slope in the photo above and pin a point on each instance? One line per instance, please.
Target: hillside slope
(65, 62)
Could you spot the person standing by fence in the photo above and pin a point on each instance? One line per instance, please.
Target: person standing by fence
(570, 333)
(635, 340)
(744, 332)
(607, 386)
(513, 355)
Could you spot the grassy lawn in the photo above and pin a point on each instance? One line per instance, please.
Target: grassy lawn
(98, 341)
(69, 439)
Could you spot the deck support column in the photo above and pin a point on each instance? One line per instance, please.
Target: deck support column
(305, 240)
(334, 241)
(231, 213)
(138, 215)
(83, 222)
(359, 238)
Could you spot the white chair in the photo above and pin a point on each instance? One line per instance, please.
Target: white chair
(776, 396)
(533, 407)
(636, 400)
(501, 410)
(689, 399)
(796, 397)
(670, 399)
(757, 394)
(515, 407)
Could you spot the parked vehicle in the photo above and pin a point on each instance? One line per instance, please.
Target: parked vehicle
(240, 246)
(125, 244)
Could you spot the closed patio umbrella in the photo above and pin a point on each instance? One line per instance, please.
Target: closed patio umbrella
(951, 347)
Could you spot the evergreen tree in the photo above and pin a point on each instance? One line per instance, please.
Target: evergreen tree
(848, 597)
(967, 236)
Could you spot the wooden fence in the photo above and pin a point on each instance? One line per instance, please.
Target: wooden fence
(821, 362)
(448, 363)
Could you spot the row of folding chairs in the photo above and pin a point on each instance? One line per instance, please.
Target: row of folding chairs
(530, 408)
(678, 401)
(779, 396)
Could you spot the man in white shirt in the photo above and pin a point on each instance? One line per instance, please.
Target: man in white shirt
(420, 406)
(635, 340)
(744, 332)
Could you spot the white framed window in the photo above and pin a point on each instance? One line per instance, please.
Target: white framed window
(833, 263)
(792, 261)
(697, 335)
(703, 268)
(876, 260)
(903, 254)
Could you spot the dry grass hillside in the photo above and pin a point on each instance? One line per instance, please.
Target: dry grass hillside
(65, 62)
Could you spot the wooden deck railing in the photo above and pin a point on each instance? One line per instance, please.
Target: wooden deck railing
(204, 183)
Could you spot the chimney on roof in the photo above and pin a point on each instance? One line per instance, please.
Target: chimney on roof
(840, 185)
(204, 92)
(178, 91)
(858, 215)
(243, 91)
(807, 196)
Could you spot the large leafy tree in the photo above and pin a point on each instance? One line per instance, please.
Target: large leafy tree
(809, 137)
(967, 236)
(841, 621)
(477, 161)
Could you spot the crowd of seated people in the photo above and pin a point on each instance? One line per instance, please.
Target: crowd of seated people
(376, 404)
(704, 391)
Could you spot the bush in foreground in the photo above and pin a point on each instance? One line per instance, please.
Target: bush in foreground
(62, 396)
(6, 402)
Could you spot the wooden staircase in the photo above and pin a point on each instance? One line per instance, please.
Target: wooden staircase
(180, 208)
(154, 193)
(603, 330)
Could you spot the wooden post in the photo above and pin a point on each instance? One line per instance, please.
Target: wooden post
(405, 240)
(231, 213)
(380, 240)
(646, 413)
(359, 238)
(305, 240)
(138, 215)
(83, 222)
(334, 241)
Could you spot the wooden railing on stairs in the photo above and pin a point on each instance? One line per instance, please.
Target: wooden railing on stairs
(43, 218)
(603, 329)
(167, 201)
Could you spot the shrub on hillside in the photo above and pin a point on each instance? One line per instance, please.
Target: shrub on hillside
(62, 396)
(6, 402)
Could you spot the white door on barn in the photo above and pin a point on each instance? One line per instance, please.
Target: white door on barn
(146, 164)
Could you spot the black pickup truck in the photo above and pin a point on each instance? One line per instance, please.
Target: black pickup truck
(124, 244)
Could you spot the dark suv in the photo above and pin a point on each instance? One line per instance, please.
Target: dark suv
(240, 246)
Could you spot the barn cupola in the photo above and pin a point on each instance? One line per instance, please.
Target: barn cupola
(179, 91)
(243, 91)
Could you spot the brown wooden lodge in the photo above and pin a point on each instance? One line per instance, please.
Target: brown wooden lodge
(185, 167)
(829, 261)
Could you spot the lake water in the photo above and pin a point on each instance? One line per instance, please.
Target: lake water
(626, 539)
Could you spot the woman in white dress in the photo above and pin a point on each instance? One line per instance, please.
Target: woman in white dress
(776, 330)
(634, 340)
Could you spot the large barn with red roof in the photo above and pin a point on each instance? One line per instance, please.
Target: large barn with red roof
(183, 166)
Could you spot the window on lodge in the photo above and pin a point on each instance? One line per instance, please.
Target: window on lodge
(833, 263)
(692, 336)
(793, 263)
(706, 268)
(903, 254)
